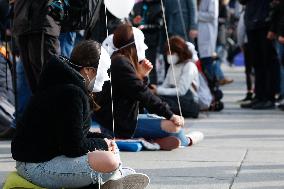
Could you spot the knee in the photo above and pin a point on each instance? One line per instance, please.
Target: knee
(103, 161)
(170, 127)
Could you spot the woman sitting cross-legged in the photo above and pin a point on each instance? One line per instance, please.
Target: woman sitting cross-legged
(53, 147)
(185, 79)
(129, 71)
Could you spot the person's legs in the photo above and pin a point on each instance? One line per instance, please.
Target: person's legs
(150, 128)
(23, 91)
(151, 55)
(280, 52)
(254, 48)
(64, 172)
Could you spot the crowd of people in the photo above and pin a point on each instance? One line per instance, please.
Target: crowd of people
(55, 81)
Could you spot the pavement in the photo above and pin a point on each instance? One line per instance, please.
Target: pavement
(242, 149)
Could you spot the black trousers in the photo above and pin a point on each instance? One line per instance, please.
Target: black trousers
(248, 67)
(265, 64)
(36, 49)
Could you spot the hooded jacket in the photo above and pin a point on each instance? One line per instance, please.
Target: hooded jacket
(128, 92)
(57, 118)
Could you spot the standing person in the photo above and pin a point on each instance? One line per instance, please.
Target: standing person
(187, 78)
(263, 53)
(129, 71)
(243, 44)
(277, 28)
(148, 17)
(208, 29)
(181, 17)
(37, 35)
(66, 154)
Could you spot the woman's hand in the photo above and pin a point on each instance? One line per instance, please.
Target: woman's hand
(281, 39)
(153, 88)
(111, 144)
(144, 68)
(177, 120)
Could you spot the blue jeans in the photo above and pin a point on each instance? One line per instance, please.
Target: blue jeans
(67, 41)
(23, 91)
(149, 127)
(62, 172)
(280, 52)
(217, 65)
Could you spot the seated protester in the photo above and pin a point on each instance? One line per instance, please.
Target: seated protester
(129, 71)
(186, 76)
(53, 147)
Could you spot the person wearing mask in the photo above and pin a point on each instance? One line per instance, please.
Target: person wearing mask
(53, 147)
(129, 72)
(187, 79)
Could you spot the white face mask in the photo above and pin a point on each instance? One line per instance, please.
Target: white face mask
(173, 57)
(141, 47)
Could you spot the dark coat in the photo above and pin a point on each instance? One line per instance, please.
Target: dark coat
(32, 16)
(174, 19)
(257, 13)
(128, 92)
(277, 22)
(152, 15)
(57, 119)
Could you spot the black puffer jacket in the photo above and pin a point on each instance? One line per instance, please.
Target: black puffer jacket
(57, 119)
(128, 92)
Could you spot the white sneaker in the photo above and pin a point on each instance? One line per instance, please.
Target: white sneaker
(126, 171)
(133, 181)
(117, 174)
(195, 137)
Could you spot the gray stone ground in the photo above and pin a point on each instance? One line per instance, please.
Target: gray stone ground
(243, 149)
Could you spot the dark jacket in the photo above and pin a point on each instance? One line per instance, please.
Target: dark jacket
(128, 92)
(277, 22)
(152, 20)
(257, 14)
(32, 16)
(57, 119)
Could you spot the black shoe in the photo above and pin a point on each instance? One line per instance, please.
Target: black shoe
(248, 97)
(249, 104)
(7, 134)
(264, 105)
(281, 106)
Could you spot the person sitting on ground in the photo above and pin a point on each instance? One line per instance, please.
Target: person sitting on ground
(129, 72)
(186, 76)
(53, 147)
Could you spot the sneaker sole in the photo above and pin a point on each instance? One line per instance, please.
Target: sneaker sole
(133, 181)
(168, 143)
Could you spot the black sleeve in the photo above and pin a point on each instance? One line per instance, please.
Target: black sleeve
(71, 138)
(274, 14)
(124, 78)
